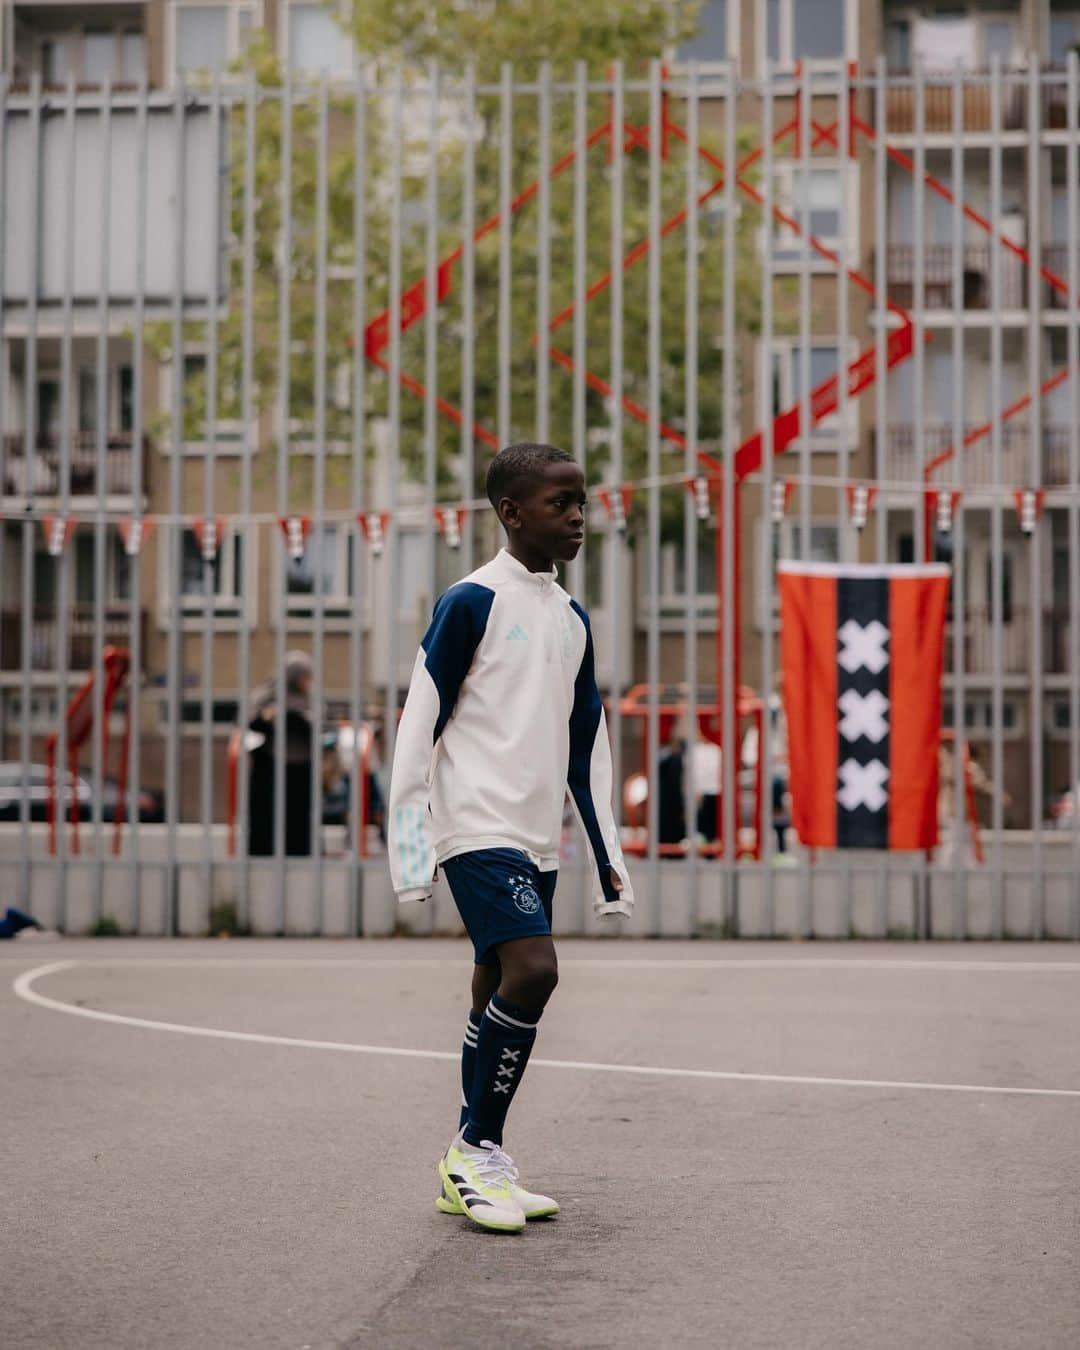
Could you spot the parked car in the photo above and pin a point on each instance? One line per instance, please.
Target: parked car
(151, 800)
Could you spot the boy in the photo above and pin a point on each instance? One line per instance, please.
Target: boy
(502, 716)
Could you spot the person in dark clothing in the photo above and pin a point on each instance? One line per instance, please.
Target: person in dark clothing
(298, 766)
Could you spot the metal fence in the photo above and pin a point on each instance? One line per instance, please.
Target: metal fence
(260, 342)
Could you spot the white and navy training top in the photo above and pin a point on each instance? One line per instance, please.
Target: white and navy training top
(502, 716)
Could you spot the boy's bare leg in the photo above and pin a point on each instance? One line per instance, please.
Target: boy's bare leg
(530, 972)
(485, 981)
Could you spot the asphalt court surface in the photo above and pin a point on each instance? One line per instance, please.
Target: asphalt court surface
(233, 1143)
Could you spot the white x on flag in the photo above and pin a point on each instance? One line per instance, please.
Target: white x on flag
(863, 646)
(863, 785)
(864, 715)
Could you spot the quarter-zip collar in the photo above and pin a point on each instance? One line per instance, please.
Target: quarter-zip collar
(543, 581)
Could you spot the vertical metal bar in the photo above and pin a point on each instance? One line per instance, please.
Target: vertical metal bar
(209, 624)
(1042, 533)
(285, 289)
(580, 449)
(848, 542)
(318, 710)
(918, 306)
(468, 317)
(101, 413)
(506, 150)
(613, 545)
(881, 409)
(176, 529)
(5, 356)
(996, 525)
(431, 332)
(138, 338)
(358, 590)
(731, 560)
(767, 530)
(1072, 230)
(691, 526)
(806, 487)
(33, 284)
(393, 544)
(247, 417)
(653, 495)
(284, 374)
(543, 254)
(957, 827)
(63, 569)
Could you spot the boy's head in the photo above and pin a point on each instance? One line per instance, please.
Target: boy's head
(538, 492)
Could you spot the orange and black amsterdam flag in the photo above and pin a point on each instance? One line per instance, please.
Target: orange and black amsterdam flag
(861, 650)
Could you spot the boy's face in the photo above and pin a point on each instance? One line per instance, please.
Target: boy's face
(547, 517)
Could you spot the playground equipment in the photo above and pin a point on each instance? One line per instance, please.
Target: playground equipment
(116, 664)
(672, 704)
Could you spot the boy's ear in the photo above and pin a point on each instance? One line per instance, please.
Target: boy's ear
(509, 513)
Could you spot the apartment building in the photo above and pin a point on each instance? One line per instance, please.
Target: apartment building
(991, 334)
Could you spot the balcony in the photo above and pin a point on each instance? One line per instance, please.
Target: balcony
(937, 272)
(978, 459)
(976, 110)
(46, 467)
(45, 636)
(1016, 631)
(1055, 258)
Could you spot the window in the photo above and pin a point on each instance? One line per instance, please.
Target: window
(317, 41)
(710, 42)
(207, 37)
(813, 199)
(94, 55)
(787, 386)
(228, 571)
(822, 545)
(799, 30)
(979, 716)
(117, 568)
(1063, 36)
(674, 578)
(325, 569)
(228, 428)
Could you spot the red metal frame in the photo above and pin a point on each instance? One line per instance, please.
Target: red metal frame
(116, 663)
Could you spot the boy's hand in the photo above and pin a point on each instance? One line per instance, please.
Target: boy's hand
(616, 881)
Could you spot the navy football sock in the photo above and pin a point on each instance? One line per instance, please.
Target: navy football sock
(503, 1043)
(468, 1065)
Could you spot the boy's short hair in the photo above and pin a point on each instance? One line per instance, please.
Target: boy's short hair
(513, 466)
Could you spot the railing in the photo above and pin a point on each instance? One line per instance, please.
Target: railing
(46, 465)
(937, 271)
(45, 636)
(976, 103)
(978, 458)
(978, 640)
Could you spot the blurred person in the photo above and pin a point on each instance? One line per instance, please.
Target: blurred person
(266, 720)
(503, 715)
(981, 785)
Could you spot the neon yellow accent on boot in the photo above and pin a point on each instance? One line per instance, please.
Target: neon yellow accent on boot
(533, 1206)
(480, 1182)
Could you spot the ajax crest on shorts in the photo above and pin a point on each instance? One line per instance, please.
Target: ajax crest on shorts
(525, 898)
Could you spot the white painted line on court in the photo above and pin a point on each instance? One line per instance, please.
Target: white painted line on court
(23, 988)
(793, 962)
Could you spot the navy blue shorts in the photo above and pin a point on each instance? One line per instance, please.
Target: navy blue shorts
(501, 895)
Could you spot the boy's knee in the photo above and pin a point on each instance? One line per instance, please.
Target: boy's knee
(532, 982)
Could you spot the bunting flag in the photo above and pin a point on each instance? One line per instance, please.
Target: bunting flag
(57, 530)
(451, 521)
(296, 530)
(860, 498)
(134, 533)
(616, 501)
(701, 488)
(940, 509)
(861, 649)
(782, 490)
(209, 532)
(1029, 507)
(374, 524)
